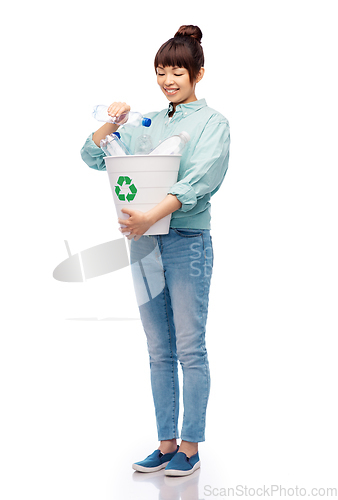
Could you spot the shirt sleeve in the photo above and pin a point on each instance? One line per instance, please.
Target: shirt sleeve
(207, 165)
(92, 154)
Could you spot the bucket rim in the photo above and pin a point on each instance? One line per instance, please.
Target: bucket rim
(141, 156)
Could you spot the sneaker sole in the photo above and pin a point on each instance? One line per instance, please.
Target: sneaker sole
(173, 472)
(141, 468)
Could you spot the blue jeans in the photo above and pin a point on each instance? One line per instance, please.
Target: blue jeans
(171, 275)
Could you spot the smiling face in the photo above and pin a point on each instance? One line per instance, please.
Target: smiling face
(176, 85)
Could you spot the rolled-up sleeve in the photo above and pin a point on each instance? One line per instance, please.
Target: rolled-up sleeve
(207, 165)
(92, 154)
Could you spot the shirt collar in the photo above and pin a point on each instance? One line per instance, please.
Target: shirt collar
(189, 107)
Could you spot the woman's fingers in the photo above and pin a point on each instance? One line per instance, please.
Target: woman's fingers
(118, 108)
(113, 108)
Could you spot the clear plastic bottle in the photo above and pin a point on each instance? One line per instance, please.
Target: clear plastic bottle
(174, 145)
(104, 142)
(100, 113)
(143, 145)
(103, 146)
(113, 146)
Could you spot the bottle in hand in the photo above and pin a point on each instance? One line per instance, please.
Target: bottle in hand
(134, 118)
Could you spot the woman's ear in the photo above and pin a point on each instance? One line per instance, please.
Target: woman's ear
(200, 75)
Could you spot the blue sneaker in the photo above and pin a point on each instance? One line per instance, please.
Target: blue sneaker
(181, 465)
(155, 461)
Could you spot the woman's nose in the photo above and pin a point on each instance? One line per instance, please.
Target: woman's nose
(169, 80)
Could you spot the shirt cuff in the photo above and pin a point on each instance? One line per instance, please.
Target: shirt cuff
(185, 194)
(93, 154)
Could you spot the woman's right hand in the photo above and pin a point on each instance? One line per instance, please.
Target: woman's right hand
(117, 109)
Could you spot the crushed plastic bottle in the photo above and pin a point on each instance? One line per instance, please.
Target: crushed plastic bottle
(112, 145)
(100, 113)
(174, 145)
(143, 145)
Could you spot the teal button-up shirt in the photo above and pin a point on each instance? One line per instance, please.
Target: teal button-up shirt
(204, 160)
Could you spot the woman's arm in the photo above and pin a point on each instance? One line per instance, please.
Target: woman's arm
(169, 205)
(102, 132)
(207, 165)
(115, 110)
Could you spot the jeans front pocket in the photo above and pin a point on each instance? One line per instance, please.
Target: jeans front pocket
(187, 233)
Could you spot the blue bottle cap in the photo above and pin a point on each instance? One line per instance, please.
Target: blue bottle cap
(146, 122)
(118, 134)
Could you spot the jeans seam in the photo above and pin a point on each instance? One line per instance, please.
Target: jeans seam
(201, 317)
(170, 345)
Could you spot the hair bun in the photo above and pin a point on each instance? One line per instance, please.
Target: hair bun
(190, 30)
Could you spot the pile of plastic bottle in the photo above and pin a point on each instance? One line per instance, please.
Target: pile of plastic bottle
(112, 145)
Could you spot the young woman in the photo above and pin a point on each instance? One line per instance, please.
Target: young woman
(174, 318)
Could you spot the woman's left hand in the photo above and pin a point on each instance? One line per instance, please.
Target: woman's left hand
(137, 223)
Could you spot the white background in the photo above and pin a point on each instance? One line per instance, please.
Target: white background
(75, 389)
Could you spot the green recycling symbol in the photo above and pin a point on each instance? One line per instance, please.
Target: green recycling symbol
(130, 196)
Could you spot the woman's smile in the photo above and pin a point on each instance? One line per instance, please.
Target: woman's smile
(170, 91)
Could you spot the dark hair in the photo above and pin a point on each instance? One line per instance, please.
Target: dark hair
(183, 51)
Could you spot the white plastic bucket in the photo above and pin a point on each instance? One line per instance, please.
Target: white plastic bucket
(140, 182)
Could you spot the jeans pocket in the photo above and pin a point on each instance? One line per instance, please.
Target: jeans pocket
(188, 233)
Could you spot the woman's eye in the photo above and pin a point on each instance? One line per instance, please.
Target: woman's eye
(178, 75)
(160, 74)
